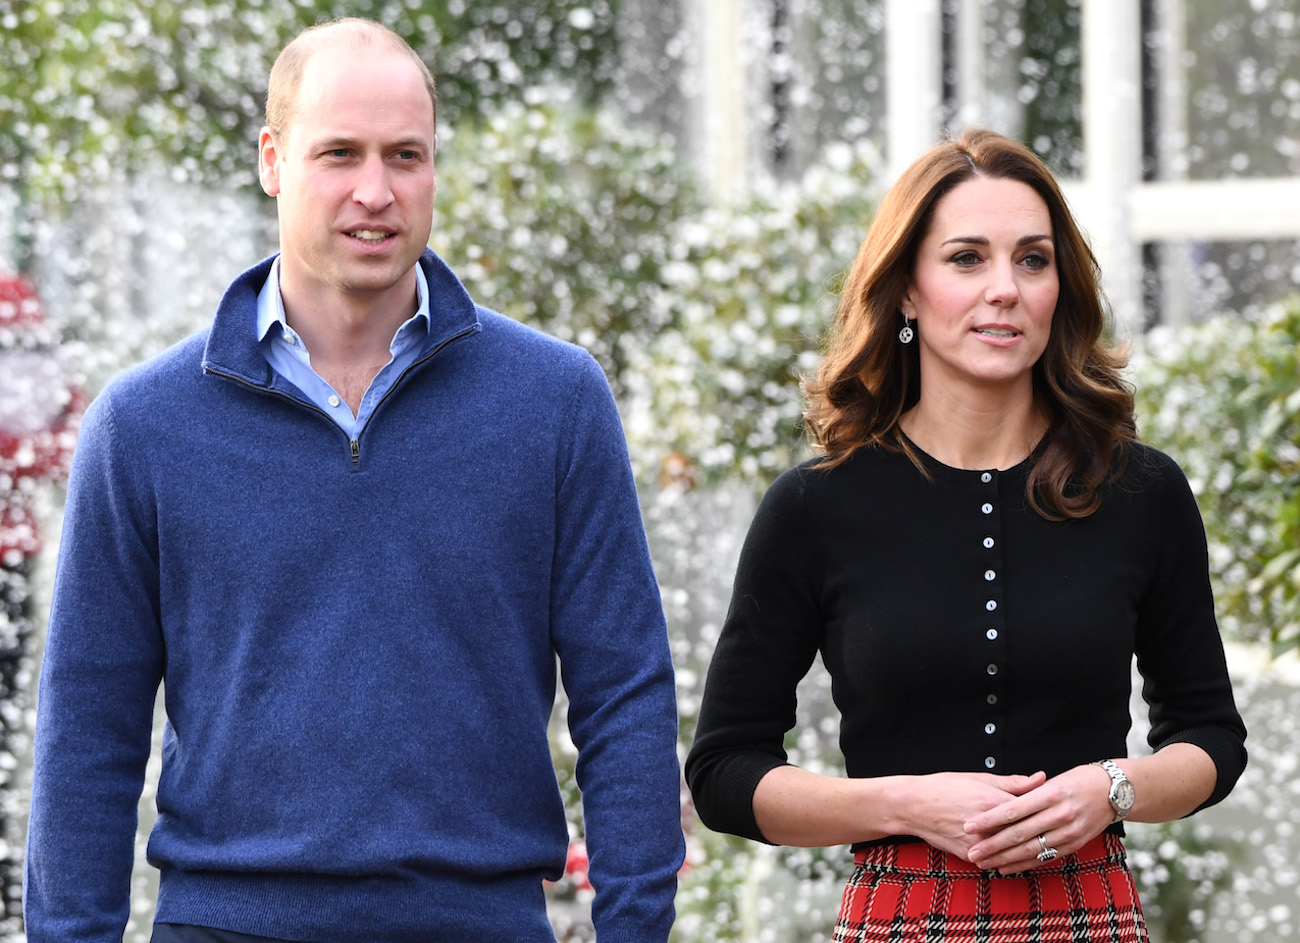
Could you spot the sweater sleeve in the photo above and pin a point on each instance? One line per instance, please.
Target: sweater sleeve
(1179, 650)
(768, 642)
(100, 674)
(609, 631)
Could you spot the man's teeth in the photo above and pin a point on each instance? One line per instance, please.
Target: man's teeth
(995, 332)
(370, 235)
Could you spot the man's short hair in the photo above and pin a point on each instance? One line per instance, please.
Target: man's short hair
(286, 73)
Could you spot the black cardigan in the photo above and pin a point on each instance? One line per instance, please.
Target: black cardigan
(961, 630)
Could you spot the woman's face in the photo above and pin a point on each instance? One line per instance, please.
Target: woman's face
(984, 288)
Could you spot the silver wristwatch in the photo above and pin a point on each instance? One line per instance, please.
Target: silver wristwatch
(1122, 793)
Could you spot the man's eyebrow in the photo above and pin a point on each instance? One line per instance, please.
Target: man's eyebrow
(412, 143)
(407, 143)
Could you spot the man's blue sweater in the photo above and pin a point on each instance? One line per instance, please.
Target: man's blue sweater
(359, 642)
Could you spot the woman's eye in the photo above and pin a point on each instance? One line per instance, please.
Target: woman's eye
(966, 258)
(1037, 261)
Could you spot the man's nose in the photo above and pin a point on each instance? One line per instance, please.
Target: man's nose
(372, 188)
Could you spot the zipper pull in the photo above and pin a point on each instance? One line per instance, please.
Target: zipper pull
(356, 452)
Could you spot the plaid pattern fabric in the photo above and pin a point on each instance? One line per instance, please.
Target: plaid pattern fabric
(915, 893)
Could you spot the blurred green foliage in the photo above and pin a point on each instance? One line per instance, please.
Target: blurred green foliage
(702, 316)
(1242, 73)
(90, 86)
(564, 218)
(1223, 397)
(753, 288)
(1051, 82)
(1179, 867)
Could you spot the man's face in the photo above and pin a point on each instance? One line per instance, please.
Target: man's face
(353, 176)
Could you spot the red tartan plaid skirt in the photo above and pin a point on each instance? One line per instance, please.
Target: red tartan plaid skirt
(915, 893)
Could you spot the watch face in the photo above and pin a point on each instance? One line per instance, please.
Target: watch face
(1123, 795)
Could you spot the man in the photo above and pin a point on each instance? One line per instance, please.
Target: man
(353, 526)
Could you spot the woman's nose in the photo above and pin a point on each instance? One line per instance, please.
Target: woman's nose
(1002, 289)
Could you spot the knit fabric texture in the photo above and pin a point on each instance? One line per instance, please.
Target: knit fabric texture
(359, 643)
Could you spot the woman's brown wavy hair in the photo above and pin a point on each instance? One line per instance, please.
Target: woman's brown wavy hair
(868, 379)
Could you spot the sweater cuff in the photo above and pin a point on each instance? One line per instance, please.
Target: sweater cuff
(723, 790)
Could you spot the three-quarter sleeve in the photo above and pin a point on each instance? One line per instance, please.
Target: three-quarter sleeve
(1179, 649)
(768, 641)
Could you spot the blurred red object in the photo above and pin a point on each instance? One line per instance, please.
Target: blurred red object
(39, 414)
(575, 865)
(19, 305)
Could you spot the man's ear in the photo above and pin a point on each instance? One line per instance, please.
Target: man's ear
(268, 168)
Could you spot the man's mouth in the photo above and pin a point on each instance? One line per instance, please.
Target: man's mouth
(372, 236)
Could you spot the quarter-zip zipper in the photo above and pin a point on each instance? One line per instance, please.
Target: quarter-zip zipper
(268, 391)
(354, 442)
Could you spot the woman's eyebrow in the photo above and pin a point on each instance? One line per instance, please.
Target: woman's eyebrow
(983, 240)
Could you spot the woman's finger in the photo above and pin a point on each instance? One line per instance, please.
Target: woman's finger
(1018, 849)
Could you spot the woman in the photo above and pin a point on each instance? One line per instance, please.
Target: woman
(978, 553)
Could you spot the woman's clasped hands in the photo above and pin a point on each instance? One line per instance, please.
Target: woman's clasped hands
(1059, 814)
(995, 821)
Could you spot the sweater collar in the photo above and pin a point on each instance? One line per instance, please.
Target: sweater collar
(232, 346)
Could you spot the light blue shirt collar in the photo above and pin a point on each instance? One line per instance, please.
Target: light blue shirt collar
(288, 356)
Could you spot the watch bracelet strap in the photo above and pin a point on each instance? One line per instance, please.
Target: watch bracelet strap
(1116, 775)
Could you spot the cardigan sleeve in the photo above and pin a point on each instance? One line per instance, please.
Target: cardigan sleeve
(770, 636)
(1179, 651)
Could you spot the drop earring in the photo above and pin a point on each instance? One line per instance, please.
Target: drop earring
(906, 334)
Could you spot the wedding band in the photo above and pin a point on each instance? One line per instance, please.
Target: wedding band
(1048, 852)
